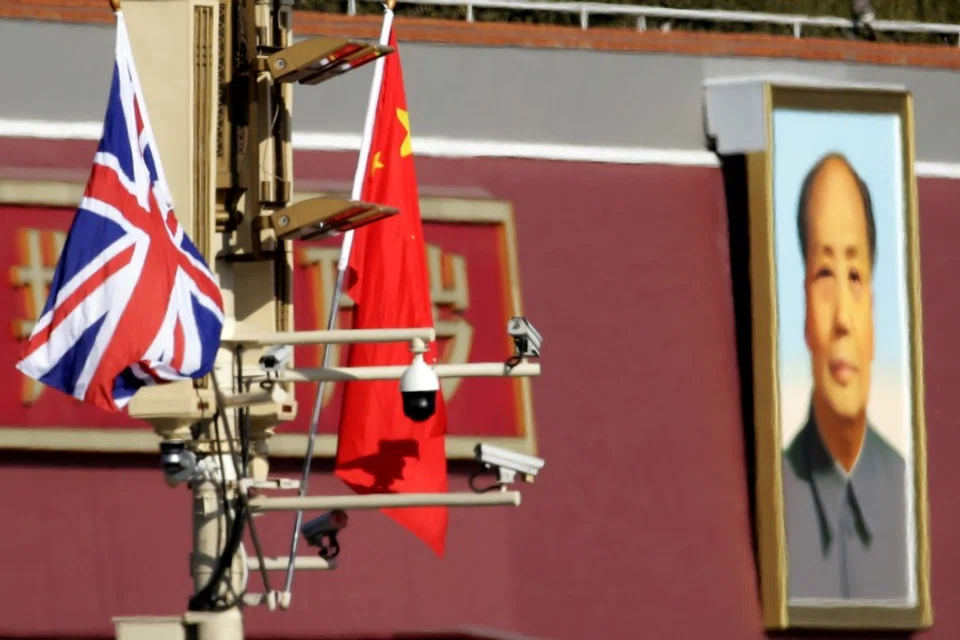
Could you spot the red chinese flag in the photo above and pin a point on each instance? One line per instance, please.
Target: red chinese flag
(380, 450)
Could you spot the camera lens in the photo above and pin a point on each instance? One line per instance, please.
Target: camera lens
(419, 405)
(171, 455)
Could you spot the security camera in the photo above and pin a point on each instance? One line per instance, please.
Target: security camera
(276, 358)
(526, 339)
(418, 387)
(321, 532)
(508, 463)
(179, 463)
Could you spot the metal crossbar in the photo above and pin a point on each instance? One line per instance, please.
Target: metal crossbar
(642, 13)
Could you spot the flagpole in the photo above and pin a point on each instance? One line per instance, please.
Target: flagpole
(356, 193)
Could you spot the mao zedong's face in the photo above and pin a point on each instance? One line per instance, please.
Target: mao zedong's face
(839, 297)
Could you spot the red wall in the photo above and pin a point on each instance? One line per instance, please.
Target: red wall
(639, 525)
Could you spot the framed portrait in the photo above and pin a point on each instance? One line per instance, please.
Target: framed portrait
(838, 361)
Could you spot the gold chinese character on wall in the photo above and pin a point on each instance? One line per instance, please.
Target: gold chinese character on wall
(38, 251)
(449, 291)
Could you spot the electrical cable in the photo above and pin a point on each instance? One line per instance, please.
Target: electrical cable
(492, 487)
(243, 418)
(205, 599)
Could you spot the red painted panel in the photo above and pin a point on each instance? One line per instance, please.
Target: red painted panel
(639, 525)
(478, 407)
(28, 252)
(485, 406)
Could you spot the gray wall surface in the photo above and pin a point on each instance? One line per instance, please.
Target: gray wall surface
(480, 93)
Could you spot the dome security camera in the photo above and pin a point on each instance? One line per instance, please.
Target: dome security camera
(179, 462)
(418, 387)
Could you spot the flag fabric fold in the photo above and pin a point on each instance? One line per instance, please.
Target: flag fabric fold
(379, 449)
(132, 302)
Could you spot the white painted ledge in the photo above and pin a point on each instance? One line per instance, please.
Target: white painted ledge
(456, 148)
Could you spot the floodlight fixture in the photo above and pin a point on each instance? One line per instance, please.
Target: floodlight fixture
(317, 59)
(318, 217)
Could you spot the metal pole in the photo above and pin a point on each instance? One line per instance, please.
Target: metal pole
(310, 563)
(213, 511)
(387, 501)
(394, 372)
(209, 530)
(272, 396)
(358, 179)
(332, 336)
(224, 625)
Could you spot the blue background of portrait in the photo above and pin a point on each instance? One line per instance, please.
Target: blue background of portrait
(872, 144)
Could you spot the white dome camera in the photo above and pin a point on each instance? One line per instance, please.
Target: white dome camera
(418, 387)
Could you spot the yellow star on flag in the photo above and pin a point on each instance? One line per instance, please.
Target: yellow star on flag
(406, 148)
(376, 164)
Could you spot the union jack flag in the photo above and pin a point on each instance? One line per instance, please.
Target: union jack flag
(132, 302)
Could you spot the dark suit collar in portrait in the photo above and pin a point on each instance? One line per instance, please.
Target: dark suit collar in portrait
(847, 534)
(832, 486)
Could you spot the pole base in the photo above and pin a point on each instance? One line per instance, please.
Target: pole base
(225, 625)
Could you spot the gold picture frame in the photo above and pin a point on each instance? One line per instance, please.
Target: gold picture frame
(825, 118)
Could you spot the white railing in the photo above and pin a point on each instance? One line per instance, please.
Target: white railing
(587, 9)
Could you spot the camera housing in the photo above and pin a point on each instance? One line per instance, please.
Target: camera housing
(526, 339)
(418, 387)
(321, 532)
(507, 463)
(276, 358)
(179, 462)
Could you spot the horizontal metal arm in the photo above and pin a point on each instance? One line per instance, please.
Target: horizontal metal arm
(385, 501)
(469, 370)
(273, 396)
(315, 563)
(333, 336)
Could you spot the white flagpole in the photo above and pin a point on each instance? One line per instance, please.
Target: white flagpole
(358, 179)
